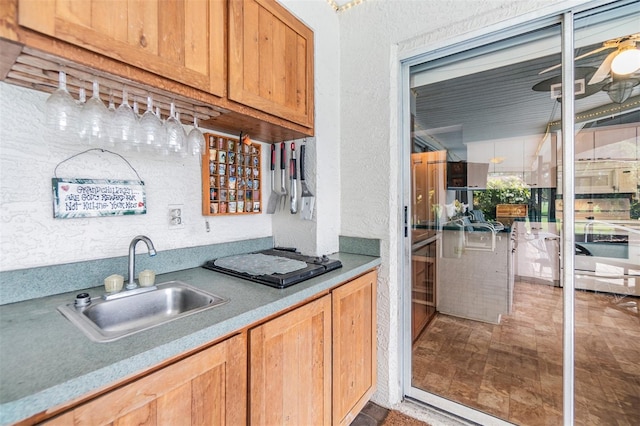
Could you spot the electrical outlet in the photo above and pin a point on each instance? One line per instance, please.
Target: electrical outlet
(176, 221)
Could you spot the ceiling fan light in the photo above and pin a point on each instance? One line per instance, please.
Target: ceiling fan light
(626, 62)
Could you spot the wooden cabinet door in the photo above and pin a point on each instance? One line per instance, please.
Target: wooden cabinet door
(354, 347)
(207, 388)
(584, 144)
(617, 143)
(290, 358)
(181, 40)
(270, 60)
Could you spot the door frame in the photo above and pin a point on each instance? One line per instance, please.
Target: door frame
(563, 14)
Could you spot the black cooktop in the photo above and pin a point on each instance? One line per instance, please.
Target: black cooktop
(314, 266)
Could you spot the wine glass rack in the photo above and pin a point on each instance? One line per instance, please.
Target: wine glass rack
(39, 71)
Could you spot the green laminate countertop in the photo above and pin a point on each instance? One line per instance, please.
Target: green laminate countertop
(46, 361)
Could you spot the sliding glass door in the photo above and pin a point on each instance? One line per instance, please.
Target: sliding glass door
(486, 316)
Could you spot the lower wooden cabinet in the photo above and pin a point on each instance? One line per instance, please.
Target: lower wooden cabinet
(315, 364)
(354, 346)
(290, 359)
(207, 388)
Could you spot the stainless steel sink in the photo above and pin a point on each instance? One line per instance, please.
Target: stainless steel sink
(108, 320)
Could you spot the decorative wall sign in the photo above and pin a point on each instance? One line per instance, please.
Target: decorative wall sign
(74, 198)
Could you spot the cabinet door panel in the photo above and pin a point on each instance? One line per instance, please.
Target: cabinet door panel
(174, 407)
(183, 41)
(270, 60)
(618, 143)
(354, 346)
(207, 388)
(290, 378)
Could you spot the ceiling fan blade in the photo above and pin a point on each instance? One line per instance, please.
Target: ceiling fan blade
(584, 55)
(550, 69)
(599, 49)
(604, 69)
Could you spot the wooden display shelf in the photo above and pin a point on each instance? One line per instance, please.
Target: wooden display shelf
(231, 176)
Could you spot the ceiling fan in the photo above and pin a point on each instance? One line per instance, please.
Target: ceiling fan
(623, 61)
(582, 90)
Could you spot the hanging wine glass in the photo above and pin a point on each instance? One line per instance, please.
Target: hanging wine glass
(150, 128)
(161, 145)
(124, 123)
(82, 99)
(111, 114)
(61, 110)
(176, 138)
(182, 149)
(94, 118)
(137, 136)
(195, 139)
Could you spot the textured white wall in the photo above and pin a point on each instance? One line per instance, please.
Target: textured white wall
(319, 236)
(30, 236)
(373, 36)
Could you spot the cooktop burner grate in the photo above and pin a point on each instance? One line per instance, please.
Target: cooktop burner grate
(279, 268)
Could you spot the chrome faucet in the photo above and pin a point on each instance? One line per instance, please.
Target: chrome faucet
(132, 258)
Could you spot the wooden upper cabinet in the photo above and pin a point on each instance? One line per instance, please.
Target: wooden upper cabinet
(182, 40)
(354, 347)
(270, 60)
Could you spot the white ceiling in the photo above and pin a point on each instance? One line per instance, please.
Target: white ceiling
(496, 113)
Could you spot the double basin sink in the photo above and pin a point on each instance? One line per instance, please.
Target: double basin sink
(106, 320)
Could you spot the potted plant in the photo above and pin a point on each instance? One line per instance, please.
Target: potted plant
(508, 190)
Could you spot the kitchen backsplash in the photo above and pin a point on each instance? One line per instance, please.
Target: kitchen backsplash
(31, 237)
(24, 284)
(31, 283)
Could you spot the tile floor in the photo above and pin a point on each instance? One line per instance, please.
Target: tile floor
(371, 415)
(514, 370)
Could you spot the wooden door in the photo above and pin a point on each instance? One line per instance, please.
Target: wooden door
(290, 358)
(270, 60)
(208, 388)
(354, 347)
(180, 40)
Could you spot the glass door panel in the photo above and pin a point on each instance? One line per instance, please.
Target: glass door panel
(483, 169)
(607, 229)
(488, 337)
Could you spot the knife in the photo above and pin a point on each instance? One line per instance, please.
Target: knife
(293, 193)
(283, 164)
(274, 197)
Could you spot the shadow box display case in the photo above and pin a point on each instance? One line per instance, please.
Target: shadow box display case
(231, 176)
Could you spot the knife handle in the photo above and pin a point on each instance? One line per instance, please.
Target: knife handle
(302, 152)
(273, 156)
(292, 168)
(283, 162)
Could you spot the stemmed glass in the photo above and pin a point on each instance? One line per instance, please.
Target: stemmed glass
(124, 123)
(61, 109)
(195, 139)
(176, 137)
(137, 131)
(150, 128)
(94, 118)
(82, 99)
(111, 114)
(161, 145)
